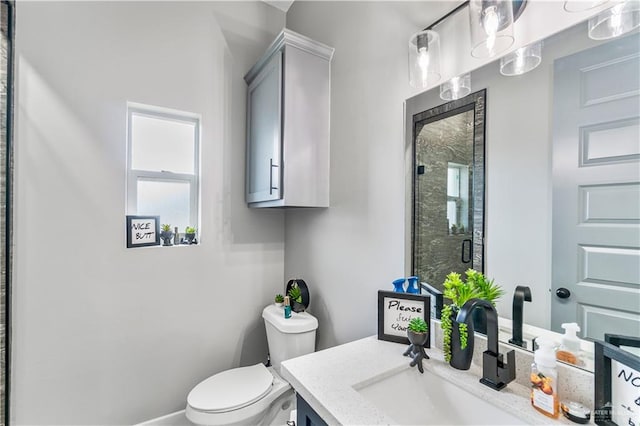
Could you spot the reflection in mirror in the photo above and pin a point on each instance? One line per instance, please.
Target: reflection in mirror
(526, 163)
(448, 189)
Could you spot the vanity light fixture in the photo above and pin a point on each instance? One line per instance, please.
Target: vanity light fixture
(521, 60)
(491, 23)
(491, 33)
(615, 21)
(424, 59)
(582, 5)
(456, 88)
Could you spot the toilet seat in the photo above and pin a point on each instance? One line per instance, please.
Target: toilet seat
(231, 389)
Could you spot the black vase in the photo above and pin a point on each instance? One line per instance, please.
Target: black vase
(461, 358)
(297, 307)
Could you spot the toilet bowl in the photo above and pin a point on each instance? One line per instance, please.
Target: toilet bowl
(240, 396)
(247, 395)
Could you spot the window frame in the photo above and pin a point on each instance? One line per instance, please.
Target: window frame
(135, 175)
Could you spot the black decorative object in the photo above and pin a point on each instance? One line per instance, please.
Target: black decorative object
(416, 348)
(395, 310)
(623, 403)
(461, 357)
(304, 291)
(143, 231)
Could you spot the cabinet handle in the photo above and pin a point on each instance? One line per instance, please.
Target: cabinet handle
(271, 187)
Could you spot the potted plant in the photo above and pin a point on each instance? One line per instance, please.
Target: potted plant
(458, 343)
(417, 331)
(166, 234)
(296, 298)
(189, 234)
(489, 291)
(279, 300)
(418, 336)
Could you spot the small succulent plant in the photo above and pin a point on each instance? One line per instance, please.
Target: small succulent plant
(295, 293)
(190, 230)
(279, 298)
(166, 228)
(418, 325)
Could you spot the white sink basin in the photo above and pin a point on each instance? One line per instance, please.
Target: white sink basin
(411, 398)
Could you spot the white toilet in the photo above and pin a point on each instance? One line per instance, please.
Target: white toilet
(246, 395)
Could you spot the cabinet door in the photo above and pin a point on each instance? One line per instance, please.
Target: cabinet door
(264, 127)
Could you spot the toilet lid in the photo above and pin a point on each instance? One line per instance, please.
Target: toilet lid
(231, 389)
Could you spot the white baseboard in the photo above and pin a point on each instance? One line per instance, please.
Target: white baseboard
(174, 419)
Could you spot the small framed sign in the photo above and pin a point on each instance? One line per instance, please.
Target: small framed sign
(617, 381)
(395, 310)
(143, 231)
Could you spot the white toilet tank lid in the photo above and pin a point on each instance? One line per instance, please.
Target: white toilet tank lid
(231, 389)
(298, 323)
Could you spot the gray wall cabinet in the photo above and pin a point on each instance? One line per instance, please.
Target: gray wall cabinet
(288, 104)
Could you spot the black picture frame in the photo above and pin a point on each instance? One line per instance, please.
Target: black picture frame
(387, 313)
(151, 227)
(604, 353)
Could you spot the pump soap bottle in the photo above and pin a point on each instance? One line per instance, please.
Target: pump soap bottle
(544, 379)
(570, 348)
(287, 307)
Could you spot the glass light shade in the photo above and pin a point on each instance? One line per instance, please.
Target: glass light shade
(424, 59)
(615, 21)
(456, 88)
(582, 5)
(491, 23)
(521, 60)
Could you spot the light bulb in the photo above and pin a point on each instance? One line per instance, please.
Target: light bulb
(423, 63)
(455, 86)
(490, 23)
(615, 23)
(520, 58)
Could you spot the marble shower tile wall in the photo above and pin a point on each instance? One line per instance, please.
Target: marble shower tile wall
(574, 384)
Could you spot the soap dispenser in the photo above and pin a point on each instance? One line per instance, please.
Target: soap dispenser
(544, 379)
(570, 346)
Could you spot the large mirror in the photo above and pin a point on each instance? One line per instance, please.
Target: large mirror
(563, 184)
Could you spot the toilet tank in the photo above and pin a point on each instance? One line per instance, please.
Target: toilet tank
(289, 337)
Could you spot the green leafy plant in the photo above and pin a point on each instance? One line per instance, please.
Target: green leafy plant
(418, 325)
(190, 230)
(279, 298)
(487, 289)
(477, 286)
(295, 293)
(166, 228)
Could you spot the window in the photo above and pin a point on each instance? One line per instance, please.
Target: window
(458, 195)
(163, 165)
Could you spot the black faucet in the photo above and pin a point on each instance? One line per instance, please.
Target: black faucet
(520, 295)
(495, 373)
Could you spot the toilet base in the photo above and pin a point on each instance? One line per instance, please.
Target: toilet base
(259, 413)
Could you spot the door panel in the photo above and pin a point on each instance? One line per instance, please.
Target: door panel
(596, 189)
(264, 130)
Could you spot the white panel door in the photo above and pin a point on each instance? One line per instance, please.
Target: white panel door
(596, 190)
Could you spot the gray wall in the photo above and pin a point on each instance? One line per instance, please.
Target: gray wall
(347, 252)
(105, 334)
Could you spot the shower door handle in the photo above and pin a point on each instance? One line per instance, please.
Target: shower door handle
(465, 255)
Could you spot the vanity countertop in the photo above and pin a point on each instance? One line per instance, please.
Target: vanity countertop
(328, 380)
